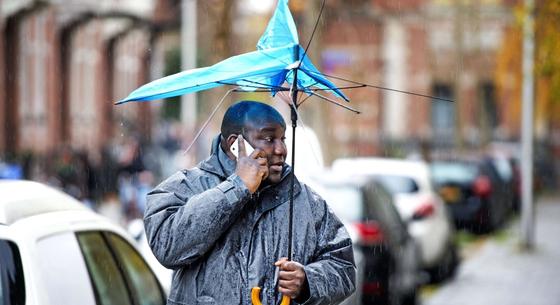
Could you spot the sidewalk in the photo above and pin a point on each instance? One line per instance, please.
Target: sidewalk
(501, 274)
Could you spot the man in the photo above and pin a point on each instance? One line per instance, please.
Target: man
(223, 226)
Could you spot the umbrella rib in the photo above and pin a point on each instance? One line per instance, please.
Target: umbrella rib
(335, 102)
(261, 85)
(264, 85)
(208, 120)
(339, 88)
(305, 99)
(312, 33)
(380, 87)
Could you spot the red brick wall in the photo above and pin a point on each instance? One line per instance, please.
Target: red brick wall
(419, 80)
(397, 5)
(36, 82)
(351, 50)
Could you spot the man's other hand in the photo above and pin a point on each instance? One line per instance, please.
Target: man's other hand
(291, 278)
(252, 169)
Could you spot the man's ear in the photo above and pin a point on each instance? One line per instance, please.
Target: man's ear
(230, 140)
(226, 144)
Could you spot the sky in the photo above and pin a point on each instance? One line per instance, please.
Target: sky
(260, 6)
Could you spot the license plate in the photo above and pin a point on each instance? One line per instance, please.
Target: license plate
(450, 194)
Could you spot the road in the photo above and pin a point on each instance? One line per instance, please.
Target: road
(497, 271)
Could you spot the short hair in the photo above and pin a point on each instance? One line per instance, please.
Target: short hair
(239, 114)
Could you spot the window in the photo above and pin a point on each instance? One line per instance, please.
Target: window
(345, 201)
(382, 202)
(12, 286)
(456, 172)
(443, 113)
(489, 109)
(63, 271)
(109, 284)
(398, 184)
(144, 283)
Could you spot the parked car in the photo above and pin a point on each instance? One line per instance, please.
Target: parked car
(507, 167)
(54, 250)
(419, 206)
(136, 229)
(391, 264)
(474, 192)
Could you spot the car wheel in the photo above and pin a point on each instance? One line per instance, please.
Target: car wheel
(486, 219)
(410, 299)
(447, 268)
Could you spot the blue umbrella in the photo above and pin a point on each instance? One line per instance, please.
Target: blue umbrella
(279, 59)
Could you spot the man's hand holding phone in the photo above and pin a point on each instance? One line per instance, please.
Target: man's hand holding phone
(252, 167)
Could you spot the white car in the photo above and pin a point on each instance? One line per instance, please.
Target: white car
(54, 250)
(418, 204)
(136, 230)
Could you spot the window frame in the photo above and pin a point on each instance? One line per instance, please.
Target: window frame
(20, 295)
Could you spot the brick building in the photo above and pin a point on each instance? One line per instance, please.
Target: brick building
(64, 63)
(441, 48)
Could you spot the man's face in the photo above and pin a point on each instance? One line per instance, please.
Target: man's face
(269, 137)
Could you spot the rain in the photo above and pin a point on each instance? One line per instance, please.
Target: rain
(430, 128)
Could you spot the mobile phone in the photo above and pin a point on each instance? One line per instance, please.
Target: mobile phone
(235, 148)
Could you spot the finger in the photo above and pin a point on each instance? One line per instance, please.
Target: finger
(258, 153)
(264, 172)
(287, 275)
(289, 285)
(262, 161)
(280, 261)
(287, 292)
(290, 266)
(241, 145)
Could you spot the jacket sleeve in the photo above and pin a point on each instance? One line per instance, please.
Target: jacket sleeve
(332, 275)
(182, 222)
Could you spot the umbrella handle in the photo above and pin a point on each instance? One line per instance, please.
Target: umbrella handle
(255, 297)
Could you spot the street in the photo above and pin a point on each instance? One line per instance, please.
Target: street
(497, 271)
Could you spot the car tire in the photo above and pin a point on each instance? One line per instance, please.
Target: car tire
(410, 299)
(447, 268)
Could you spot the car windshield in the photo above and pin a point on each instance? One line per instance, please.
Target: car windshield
(453, 172)
(345, 201)
(398, 184)
(12, 290)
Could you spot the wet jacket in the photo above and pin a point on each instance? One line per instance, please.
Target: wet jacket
(222, 241)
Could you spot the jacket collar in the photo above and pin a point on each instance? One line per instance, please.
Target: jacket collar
(218, 163)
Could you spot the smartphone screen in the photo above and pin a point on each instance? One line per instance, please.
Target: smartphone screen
(235, 148)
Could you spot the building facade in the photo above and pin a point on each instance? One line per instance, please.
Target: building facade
(447, 49)
(64, 64)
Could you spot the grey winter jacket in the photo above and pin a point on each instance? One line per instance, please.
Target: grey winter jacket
(221, 241)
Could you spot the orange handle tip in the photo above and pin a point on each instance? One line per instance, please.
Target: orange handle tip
(255, 297)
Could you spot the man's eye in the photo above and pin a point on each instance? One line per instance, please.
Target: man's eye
(268, 139)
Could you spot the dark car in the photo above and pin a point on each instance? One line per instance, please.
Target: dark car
(510, 178)
(478, 198)
(391, 274)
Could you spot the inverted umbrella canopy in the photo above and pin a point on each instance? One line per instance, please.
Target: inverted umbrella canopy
(275, 61)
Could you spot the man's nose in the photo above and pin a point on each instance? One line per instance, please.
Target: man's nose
(279, 148)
